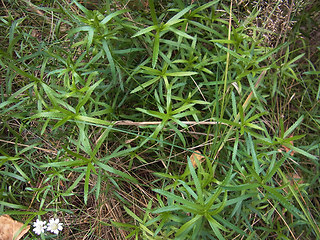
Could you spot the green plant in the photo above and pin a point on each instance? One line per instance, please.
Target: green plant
(100, 109)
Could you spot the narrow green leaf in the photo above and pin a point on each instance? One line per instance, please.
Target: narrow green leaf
(165, 27)
(18, 168)
(65, 164)
(178, 199)
(215, 227)
(274, 169)
(298, 150)
(185, 228)
(180, 110)
(86, 183)
(160, 115)
(222, 205)
(153, 12)
(294, 60)
(209, 202)
(61, 122)
(145, 30)
(90, 38)
(100, 141)
(180, 74)
(233, 53)
(207, 29)
(109, 57)
(75, 183)
(169, 209)
(180, 33)
(189, 190)
(223, 41)
(155, 53)
(12, 205)
(134, 216)
(117, 172)
(50, 115)
(151, 71)
(254, 155)
(229, 225)
(81, 7)
(293, 127)
(241, 187)
(270, 53)
(203, 7)
(256, 116)
(241, 119)
(51, 94)
(23, 73)
(178, 132)
(112, 15)
(92, 120)
(179, 15)
(234, 105)
(283, 201)
(13, 176)
(255, 126)
(196, 181)
(146, 84)
(76, 30)
(87, 95)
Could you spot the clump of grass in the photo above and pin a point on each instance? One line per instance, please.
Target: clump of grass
(103, 111)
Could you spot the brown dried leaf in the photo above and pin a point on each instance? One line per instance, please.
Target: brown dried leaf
(288, 149)
(194, 156)
(295, 178)
(9, 227)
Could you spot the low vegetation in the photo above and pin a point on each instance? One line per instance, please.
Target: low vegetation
(161, 119)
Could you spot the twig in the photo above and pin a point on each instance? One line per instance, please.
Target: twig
(244, 106)
(25, 145)
(131, 123)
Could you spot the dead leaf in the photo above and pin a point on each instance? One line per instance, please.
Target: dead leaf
(295, 178)
(9, 227)
(194, 156)
(288, 149)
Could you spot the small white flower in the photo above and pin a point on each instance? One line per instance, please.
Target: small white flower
(39, 227)
(54, 226)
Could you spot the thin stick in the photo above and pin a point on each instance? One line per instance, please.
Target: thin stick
(244, 106)
(292, 234)
(227, 63)
(131, 123)
(25, 145)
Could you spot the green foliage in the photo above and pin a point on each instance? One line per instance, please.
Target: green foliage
(106, 93)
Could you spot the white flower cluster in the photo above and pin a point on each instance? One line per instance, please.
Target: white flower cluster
(53, 226)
